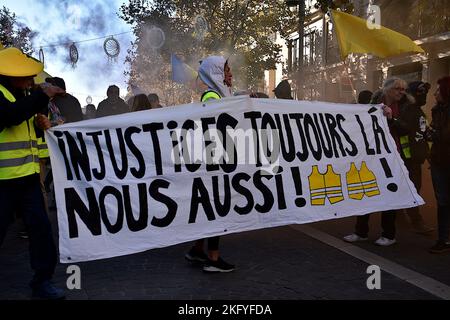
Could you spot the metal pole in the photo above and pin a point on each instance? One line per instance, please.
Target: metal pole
(289, 62)
(301, 33)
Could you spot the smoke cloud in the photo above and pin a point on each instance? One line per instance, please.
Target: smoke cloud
(65, 22)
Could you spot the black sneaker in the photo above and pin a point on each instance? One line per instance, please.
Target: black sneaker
(48, 291)
(218, 266)
(196, 256)
(440, 247)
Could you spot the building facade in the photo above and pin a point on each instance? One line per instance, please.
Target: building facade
(325, 77)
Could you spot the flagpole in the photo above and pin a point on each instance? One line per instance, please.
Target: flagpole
(344, 59)
(351, 80)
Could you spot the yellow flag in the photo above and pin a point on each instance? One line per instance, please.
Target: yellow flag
(354, 36)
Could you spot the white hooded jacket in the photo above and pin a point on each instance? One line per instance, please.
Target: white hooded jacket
(212, 73)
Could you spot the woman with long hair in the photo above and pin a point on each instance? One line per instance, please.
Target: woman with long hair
(140, 102)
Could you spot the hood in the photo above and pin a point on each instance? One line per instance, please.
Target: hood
(420, 95)
(211, 72)
(283, 90)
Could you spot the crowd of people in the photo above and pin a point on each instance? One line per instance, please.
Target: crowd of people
(27, 109)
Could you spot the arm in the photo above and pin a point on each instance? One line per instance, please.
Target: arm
(99, 112)
(400, 126)
(14, 113)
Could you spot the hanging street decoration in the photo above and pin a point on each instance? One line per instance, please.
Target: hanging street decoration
(41, 56)
(112, 48)
(73, 54)
(154, 37)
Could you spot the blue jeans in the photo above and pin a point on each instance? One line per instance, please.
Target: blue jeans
(441, 185)
(25, 195)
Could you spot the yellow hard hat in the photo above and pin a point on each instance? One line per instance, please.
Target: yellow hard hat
(14, 63)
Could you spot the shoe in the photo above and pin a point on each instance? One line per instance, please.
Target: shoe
(385, 242)
(422, 229)
(217, 266)
(23, 235)
(196, 256)
(354, 238)
(48, 291)
(440, 247)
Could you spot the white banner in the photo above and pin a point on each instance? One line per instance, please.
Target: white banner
(151, 179)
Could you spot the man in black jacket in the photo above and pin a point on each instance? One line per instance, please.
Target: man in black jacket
(414, 147)
(68, 105)
(20, 189)
(113, 104)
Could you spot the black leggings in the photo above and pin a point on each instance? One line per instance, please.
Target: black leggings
(213, 243)
(387, 224)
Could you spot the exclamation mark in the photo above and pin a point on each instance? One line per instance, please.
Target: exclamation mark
(387, 171)
(299, 202)
(280, 189)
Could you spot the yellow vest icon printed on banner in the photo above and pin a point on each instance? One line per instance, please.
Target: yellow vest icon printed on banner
(362, 182)
(324, 186)
(317, 187)
(354, 184)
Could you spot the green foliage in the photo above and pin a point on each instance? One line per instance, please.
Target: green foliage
(343, 5)
(242, 30)
(14, 33)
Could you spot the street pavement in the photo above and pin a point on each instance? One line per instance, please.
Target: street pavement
(280, 263)
(276, 263)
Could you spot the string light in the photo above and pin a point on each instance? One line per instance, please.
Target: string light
(81, 41)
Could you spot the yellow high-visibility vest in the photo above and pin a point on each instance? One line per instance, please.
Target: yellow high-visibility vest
(354, 184)
(325, 186)
(317, 187)
(362, 182)
(369, 181)
(19, 155)
(404, 142)
(42, 148)
(333, 185)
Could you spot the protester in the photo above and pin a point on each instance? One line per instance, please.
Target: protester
(113, 104)
(283, 90)
(90, 112)
(140, 102)
(154, 101)
(261, 95)
(394, 97)
(215, 76)
(19, 167)
(365, 96)
(440, 162)
(130, 101)
(414, 147)
(68, 105)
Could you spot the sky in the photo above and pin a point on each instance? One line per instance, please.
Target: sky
(67, 21)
